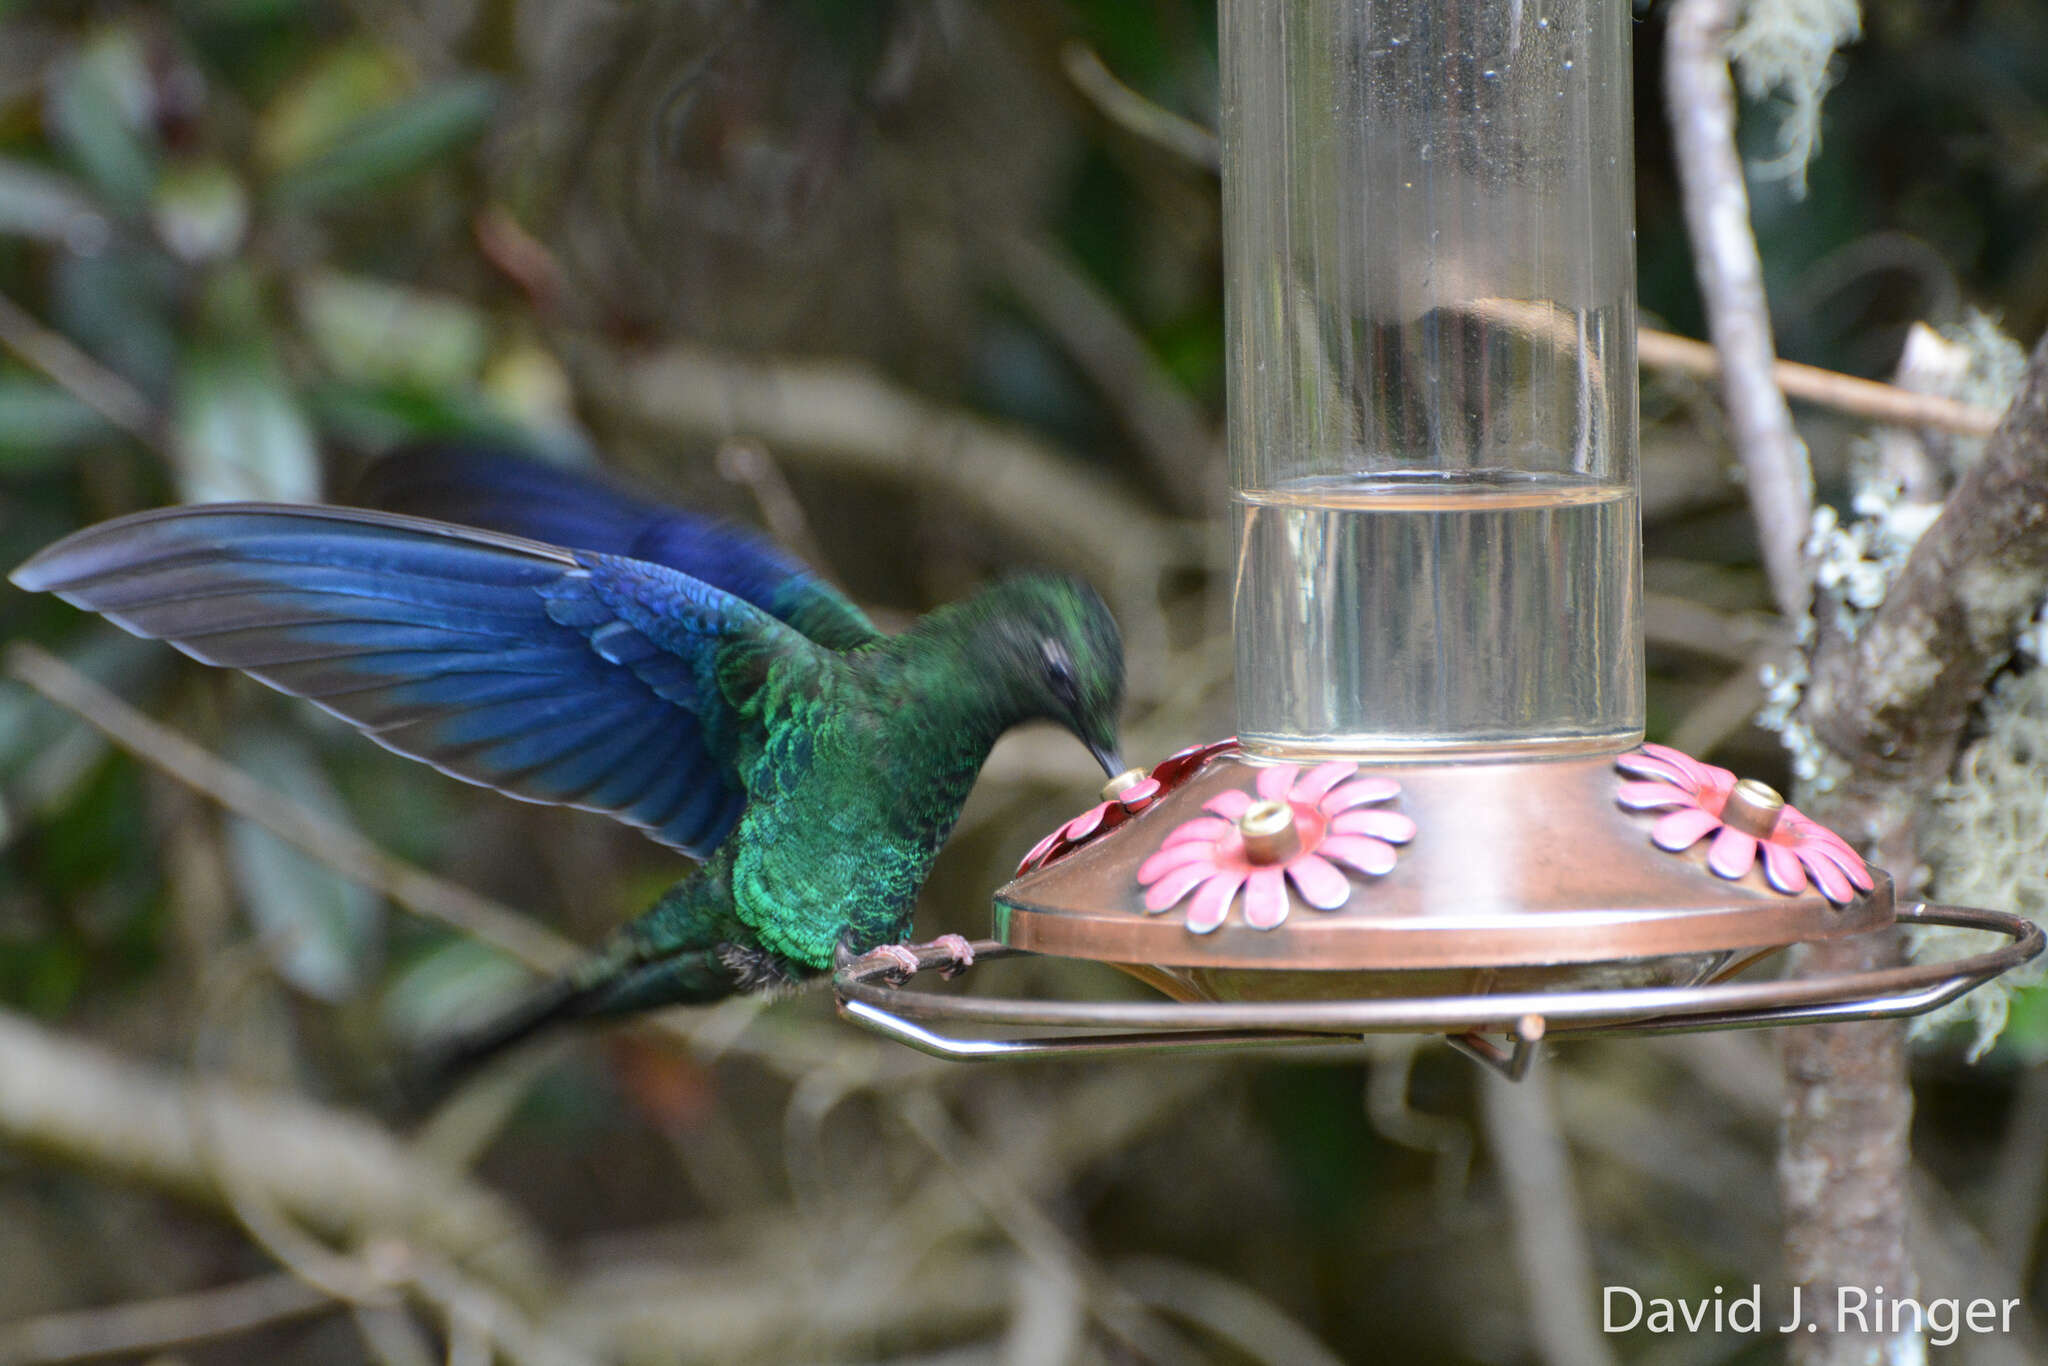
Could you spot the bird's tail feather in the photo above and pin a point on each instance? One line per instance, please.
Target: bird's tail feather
(451, 1060)
(682, 979)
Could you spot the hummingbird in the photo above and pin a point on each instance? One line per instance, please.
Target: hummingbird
(565, 641)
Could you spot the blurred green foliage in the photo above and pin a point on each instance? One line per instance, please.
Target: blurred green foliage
(246, 245)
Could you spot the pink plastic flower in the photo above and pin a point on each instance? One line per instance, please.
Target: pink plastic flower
(1084, 826)
(1694, 795)
(1181, 765)
(1207, 856)
(1104, 816)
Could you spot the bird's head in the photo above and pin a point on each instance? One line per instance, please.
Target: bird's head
(1059, 654)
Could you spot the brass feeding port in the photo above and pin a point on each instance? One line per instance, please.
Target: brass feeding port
(1268, 832)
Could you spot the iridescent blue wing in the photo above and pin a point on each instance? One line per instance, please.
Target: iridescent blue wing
(570, 677)
(474, 486)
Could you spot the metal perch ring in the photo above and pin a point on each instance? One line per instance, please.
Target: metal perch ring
(1523, 1017)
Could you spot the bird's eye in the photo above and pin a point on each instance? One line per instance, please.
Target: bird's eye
(1059, 673)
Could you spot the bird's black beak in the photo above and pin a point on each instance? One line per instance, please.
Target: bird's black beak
(1106, 756)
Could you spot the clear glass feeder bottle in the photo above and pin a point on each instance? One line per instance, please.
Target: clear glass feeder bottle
(1431, 328)
(1431, 322)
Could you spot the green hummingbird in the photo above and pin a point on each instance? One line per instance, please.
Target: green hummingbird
(563, 641)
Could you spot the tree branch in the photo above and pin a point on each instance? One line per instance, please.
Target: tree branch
(1890, 706)
(1865, 398)
(1558, 1284)
(1181, 450)
(1702, 108)
(1892, 702)
(1122, 1315)
(1135, 114)
(1845, 1160)
(91, 383)
(919, 1244)
(335, 1172)
(842, 416)
(335, 845)
(157, 1325)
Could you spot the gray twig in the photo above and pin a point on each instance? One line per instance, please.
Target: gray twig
(1228, 1308)
(335, 1172)
(1875, 400)
(841, 415)
(1731, 637)
(335, 845)
(1120, 1313)
(1550, 1238)
(88, 381)
(391, 1336)
(1702, 110)
(160, 1324)
(752, 466)
(1134, 113)
(1179, 445)
(1727, 708)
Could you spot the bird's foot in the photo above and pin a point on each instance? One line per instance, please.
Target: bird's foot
(896, 961)
(959, 953)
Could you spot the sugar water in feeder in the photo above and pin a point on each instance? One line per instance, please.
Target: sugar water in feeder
(1432, 347)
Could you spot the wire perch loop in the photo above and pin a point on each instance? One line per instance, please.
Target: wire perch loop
(1524, 1019)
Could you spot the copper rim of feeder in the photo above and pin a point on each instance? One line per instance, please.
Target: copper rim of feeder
(1170, 1026)
(1515, 864)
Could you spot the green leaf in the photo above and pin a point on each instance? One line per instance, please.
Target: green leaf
(200, 211)
(252, 13)
(29, 724)
(100, 106)
(341, 86)
(40, 423)
(391, 144)
(121, 306)
(320, 930)
(2026, 1025)
(372, 418)
(372, 332)
(42, 977)
(528, 383)
(49, 207)
(93, 854)
(237, 431)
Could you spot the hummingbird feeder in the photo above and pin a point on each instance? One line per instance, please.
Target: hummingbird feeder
(1438, 815)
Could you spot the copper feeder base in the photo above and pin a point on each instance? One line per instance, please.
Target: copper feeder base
(1529, 902)
(1523, 876)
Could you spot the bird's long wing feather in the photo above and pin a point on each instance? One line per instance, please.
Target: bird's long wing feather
(569, 677)
(478, 487)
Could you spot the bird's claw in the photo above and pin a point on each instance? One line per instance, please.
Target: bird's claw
(959, 954)
(900, 961)
(896, 962)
